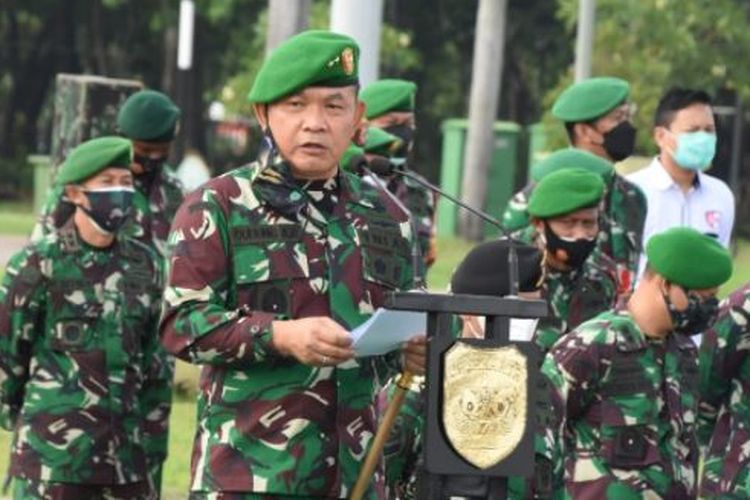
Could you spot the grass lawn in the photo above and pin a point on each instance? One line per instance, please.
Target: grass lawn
(16, 218)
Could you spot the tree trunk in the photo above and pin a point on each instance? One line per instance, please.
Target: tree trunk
(485, 91)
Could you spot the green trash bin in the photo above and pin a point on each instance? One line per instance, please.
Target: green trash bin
(42, 173)
(500, 177)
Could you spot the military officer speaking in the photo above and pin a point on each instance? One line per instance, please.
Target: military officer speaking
(625, 384)
(79, 312)
(272, 263)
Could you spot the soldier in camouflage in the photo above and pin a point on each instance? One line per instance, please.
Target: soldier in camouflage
(272, 263)
(597, 119)
(724, 412)
(149, 119)
(79, 310)
(625, 384)
(390, 106)
(581, 281)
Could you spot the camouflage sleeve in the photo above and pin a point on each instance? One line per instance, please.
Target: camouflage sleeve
(156, 394)
(197, 323)
(21, 298)
(571, 368)
(53, 214)
(718, 361)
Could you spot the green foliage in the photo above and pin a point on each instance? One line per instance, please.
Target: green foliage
(15, 177)
(656, 44)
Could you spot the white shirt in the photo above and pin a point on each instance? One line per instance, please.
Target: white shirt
(707, 207)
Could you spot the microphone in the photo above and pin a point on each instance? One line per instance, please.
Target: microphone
(385, 167)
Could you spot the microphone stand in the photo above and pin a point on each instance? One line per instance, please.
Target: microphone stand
(404, 381)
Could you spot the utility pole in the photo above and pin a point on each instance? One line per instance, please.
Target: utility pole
(361, 20)
(286, 18)
(584, 38)
(486, 76)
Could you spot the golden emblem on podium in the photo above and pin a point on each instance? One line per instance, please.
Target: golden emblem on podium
(484, 401)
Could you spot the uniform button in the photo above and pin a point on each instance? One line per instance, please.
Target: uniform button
(254, 329)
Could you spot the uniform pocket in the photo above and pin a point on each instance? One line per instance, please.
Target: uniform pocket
(630, 446)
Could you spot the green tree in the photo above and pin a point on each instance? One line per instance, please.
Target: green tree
(657, 44)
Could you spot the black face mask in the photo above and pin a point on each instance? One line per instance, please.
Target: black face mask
(577, 250)
(110, 207)
(151, 167)
(406, 134)
(619, 142)
(697, 317)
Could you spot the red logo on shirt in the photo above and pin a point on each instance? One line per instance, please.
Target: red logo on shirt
(713, 217)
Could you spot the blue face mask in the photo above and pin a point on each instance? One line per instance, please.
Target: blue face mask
(695, 150)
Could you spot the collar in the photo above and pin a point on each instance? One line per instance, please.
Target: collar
(274, 183)
(663, 181)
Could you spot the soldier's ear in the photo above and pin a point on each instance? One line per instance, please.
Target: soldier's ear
(261, 114)
(74, 193)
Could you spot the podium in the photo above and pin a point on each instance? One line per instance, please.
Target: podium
(473, 439)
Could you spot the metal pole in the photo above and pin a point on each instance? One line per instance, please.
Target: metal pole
(584, 38)
(361, 20)
(286, 18)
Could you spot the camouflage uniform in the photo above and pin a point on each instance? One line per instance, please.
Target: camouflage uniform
(621, 226)
(77, 361)
(154, 206)
(254, 246)
(724, 413)
(574, 297)
(421, 203)
(625, 406)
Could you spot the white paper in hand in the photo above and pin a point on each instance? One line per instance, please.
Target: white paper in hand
(386, 330)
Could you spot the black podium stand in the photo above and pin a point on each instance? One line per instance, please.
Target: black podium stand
(446, 473)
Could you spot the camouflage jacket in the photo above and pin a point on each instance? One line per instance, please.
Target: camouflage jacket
(625, 409)
(77, 355)
(724, 412)
(154, 208)
(621, 226)
(253, 246)
(421, 202)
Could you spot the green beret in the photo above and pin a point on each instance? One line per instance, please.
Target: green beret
(565, 191)
(689, 258)
(590, 99)
(351, 152)
(91, 157)
(388, 95)
(572, 158)
(149, 116)
(311, 58)
(379, 142)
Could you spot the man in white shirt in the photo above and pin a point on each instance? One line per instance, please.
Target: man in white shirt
(678, 190)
